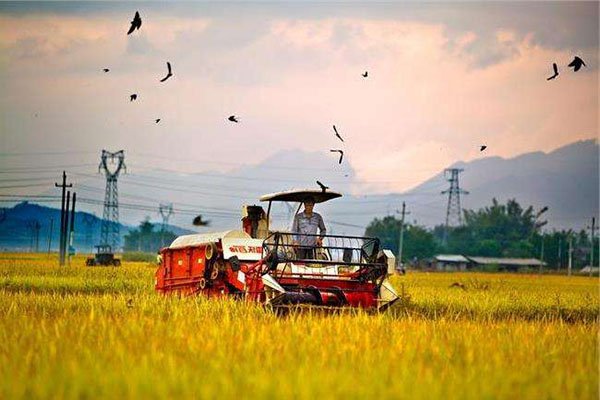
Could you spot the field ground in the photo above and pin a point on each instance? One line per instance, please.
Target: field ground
(82, 332)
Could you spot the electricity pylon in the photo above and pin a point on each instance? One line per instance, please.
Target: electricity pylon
(110, 230)
(453, 210)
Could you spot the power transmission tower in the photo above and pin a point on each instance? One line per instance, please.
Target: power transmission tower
(453, 210)
(89, 220)
(401, 239)
(165, 210)
(109, 232)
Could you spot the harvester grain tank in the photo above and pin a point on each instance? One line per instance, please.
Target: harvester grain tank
(264, 265)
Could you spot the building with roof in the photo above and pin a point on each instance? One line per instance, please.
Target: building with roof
(506, 264)
(451, 262)
(459, 262)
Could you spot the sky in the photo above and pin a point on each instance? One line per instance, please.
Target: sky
(443, 79)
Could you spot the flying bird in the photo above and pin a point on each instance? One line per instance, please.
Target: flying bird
(133, 97)
(233, 118)
(482, 148)
(365, 74)
(555, 67)
(577, 63)
(135, 24)
(337, 134)
(341, 155)
(157, 120)
(323, 187)
(105, 69)
(198, 221)
(169, 74)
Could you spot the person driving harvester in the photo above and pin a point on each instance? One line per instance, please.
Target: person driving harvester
(306, 223)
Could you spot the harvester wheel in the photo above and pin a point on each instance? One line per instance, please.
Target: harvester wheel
(214, 273)
(209, 251)
(202, 283)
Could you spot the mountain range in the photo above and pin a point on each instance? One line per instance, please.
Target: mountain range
(564, 180)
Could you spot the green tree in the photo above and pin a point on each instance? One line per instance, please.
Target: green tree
(418, 241)
(146, 239)
(500, 230)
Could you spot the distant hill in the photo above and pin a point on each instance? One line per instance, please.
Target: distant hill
(16, 233)
(565, 180)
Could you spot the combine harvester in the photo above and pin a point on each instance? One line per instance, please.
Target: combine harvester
(261, 265)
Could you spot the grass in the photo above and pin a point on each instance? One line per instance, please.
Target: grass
(79, 332)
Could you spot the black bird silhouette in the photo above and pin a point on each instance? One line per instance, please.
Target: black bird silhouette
(135, 24)
(129, 303)
(341, 155)
(323, 187)
(169, 74)
(337, 134)
(233, 118)
(555, 67)
(199, 222)
(482, 148)
(577, 63)
(157, 120)
(105, 69)
(133, 97)
(365, 74)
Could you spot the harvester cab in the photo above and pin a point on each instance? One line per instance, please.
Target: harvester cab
(265, 265)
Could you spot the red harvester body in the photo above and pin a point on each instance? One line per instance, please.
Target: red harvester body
(257, 264)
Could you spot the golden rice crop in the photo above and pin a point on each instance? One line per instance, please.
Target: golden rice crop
(80, 332)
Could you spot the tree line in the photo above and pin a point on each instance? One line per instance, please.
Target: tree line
(499, 230)
(146, 239)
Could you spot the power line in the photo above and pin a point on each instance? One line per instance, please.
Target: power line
(42, 168)
(24, 186)
(43, 153)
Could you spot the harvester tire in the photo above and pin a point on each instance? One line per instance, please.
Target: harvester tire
(210, 251)
(202, 283)
(214, 273)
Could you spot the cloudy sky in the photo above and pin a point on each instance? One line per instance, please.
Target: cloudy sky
(443, 79)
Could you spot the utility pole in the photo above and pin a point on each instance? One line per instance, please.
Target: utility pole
(66, 227)
(72, 228)
(34, 226)
(541, 256)
(453, 209)
(89, 220)
(165, 210)
(593, 229)
(50, 234)
(63, 185)
(401, 239)
(559, 254)
(570, 265)
(110, 230)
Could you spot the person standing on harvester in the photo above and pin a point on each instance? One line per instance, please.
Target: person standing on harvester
(307, 223)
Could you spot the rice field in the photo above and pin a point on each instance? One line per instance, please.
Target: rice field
(78, 332)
